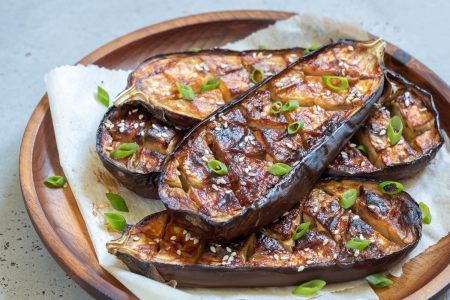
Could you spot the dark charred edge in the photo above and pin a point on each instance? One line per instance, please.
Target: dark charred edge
(143, 184)
(404, 170)
(183, 121)
(281, 197)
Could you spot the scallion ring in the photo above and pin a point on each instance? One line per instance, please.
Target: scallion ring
(195, 49)
(390, 187)
(395, 129)
(117, 202)
(426, 214)
(289, 105)
(102, 96)
(357, 244)
(279, 169)
(185, 91)
(295, 127)
(55, 181)
(379, 280)
(275, 108)
(342, 85)
(124, 150)
(301, 230)
(262, 47)
(362, 149)
(218, 167)
(310, 49)
(116, 221)
(258, 75)
(210, 84)
(348, 198)
(309, 288)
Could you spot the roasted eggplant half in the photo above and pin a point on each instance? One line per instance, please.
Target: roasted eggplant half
(283, 252)
(153, 140)
(371, 154)
(251, 160)
(184, 88)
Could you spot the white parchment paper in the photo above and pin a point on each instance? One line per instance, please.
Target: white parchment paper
(76, 115)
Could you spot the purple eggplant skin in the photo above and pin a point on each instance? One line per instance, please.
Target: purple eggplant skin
(403, 170)
(177, 118)
(292, 186)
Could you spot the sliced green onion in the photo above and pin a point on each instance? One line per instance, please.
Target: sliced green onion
(279, 169)
(55, 181)
(262, 47)
(275, 107)
(185, 91)
(395, 129)
(195, 49)
(343, 82)
(362, 149)
(301, 230)
(124, 150)
(102, 96)
(218, 167)
(289, 105)
(310, 49)
(379, 280)
(210, 84)
(258, 75)
(295, 127)
(358, 244)
(117, 202)
(390, 187)
(348, 198)
(116, 221)
(309, 288)
(426, 215)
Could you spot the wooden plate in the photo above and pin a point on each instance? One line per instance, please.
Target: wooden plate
(55, 213)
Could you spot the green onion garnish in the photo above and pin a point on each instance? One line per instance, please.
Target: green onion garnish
(362, 149)
(116, 221)
(279, 169)
(309, 288)
(258, 75)
(117, 202)
(55, 181)
(343, 82)
(218, 167)
(124, 150)
(426, 215)
(195, 49)
(275, 107)
(358, 244)
(379, 280)
(210, 84)
(289, 105)
(395, 129)
(262, 47)
(301, 230)
(348, 198)
(310, 49)
(185, 91)
(295, 127)
(390, 187)
(102, 96)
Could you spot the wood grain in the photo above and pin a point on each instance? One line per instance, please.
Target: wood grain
(55, 214)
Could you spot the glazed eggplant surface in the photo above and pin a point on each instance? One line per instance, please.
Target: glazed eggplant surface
(247, 140)
(160, 248)
(420, 141)
(133, 123)
(157, 81)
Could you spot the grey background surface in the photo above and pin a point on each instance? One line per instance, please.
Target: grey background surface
(36, 36)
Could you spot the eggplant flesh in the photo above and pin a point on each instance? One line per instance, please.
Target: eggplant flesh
(420, 141)
(249, 139)
(160, 248)
(132, 123)
(154, 82)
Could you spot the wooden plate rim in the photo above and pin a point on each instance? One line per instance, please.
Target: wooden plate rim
(96, 285)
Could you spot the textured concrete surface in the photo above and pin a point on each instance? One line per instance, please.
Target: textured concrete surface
(36, 36)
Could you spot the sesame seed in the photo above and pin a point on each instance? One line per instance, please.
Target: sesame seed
(301, 268)
(325, 242)
(336, 231)
(251, 174)
(204, 158)
(142, 124)
(225, 257)
(308, 262)
(241, 159)
(422, 109)
(228, 249)
(233, 253)
(135, 238)
(383, 132)
(179, 252)
(335, 255)
(356, 252)
(173, 238)
(223, 66)
(352, 145)
(164, 135)
(279, 84)
(285, 214)
(141, 116)
(307, 249)
(363, 163)
(187, 237)
(228, 191)
(156, 127)
(195, 241)
(134, 110)
(355, 217)
(215, 187)
(276, 257)
(350, 48)
(213, 249)
(243, 183)
(184, 231)
(372, 207)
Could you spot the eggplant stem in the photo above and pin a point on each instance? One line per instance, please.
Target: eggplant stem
(128, 95)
